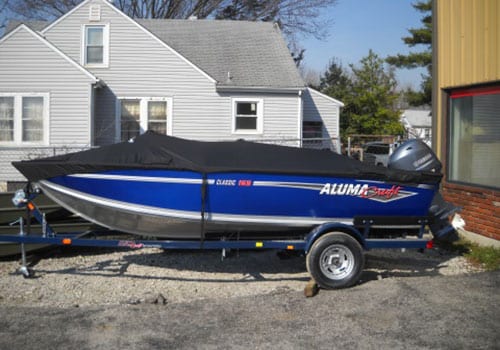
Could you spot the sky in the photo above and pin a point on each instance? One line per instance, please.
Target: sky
(361, 25)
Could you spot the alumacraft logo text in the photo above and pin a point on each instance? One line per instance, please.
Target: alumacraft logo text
(366, 191)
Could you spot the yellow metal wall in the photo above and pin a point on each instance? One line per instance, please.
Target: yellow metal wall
(466, 50)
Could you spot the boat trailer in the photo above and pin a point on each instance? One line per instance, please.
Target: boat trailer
(334, 251)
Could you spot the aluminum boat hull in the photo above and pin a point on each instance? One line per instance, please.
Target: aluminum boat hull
(174, 204)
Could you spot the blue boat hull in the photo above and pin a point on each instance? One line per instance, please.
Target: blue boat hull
(184, 204)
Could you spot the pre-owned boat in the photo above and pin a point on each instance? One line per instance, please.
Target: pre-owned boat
(168, 187)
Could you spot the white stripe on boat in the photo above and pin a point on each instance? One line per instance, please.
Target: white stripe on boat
(143, 178)
(192, 215)
(301, 185)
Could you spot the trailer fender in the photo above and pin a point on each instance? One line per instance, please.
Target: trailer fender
(320, 230)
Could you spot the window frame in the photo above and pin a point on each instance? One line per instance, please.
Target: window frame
(453, 94)
(18, 119)
(308, 141)
(259, 115)
(143, 114)
(105, 43)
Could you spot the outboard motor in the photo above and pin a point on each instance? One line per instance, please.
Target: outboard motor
(415, 155)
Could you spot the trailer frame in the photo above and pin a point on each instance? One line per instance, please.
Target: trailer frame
(307, 245)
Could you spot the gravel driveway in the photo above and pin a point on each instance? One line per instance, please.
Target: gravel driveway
(153, 299)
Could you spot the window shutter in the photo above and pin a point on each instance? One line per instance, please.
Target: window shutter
(95, 13)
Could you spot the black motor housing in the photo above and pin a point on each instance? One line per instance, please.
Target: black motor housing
(414, 155)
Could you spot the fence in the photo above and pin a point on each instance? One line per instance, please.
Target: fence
(332, 144)
(11, 154)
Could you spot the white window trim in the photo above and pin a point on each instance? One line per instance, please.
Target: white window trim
(18, 107)
(105, 42)
(260, 115)
(143, 106)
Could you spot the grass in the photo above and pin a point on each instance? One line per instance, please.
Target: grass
(486, 257)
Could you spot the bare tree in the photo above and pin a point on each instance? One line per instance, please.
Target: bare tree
(3, 10)
(294, 16)
(40, 9)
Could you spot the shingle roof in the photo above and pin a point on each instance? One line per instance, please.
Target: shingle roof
(35, 25)
(235, 53)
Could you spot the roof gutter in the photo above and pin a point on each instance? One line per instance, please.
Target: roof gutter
(261, 89)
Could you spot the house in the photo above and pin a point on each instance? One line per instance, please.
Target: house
(96, 76)
(417, 124)
(466, 105)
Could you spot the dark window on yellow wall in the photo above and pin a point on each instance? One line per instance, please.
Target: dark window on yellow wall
(474, 137)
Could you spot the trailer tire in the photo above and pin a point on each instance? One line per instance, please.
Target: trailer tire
(335, 260)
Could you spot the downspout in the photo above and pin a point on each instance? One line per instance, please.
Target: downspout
(300, 116)
(339, 142)
(92, 88)
(92, 106)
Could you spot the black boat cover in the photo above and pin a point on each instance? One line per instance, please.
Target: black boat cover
(154, 151)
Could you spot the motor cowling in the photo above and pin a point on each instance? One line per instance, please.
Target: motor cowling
(414, 155)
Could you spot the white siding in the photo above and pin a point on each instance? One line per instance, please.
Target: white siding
(28, 65)
(141, 66)
(318, 107)
(214, 120)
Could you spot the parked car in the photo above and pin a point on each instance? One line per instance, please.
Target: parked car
(377, 153)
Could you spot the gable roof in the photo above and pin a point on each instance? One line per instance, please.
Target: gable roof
(32, 24)
(135, 23)
(326, 97)
(24, 27)
(237, 54)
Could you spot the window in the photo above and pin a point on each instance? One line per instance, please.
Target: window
(130, 119)
(157, 116)
(32, 124)
(23, 118)
(378, 149)
(247, 116)
(6, 118)
(137, 115)
(95, 50)
(312, 134)
(474, 137)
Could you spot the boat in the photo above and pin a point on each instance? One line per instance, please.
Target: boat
(172, 188)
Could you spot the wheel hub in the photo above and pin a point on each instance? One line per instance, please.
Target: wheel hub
(337, 262)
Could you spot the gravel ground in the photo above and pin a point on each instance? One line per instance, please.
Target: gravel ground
(151, 299)
(84, 277)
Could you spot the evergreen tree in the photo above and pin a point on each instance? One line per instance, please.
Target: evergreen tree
(336, 82)
(373, 99)
(369, 96)
(418, 36)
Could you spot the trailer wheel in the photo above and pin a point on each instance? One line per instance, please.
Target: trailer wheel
(335, 260)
